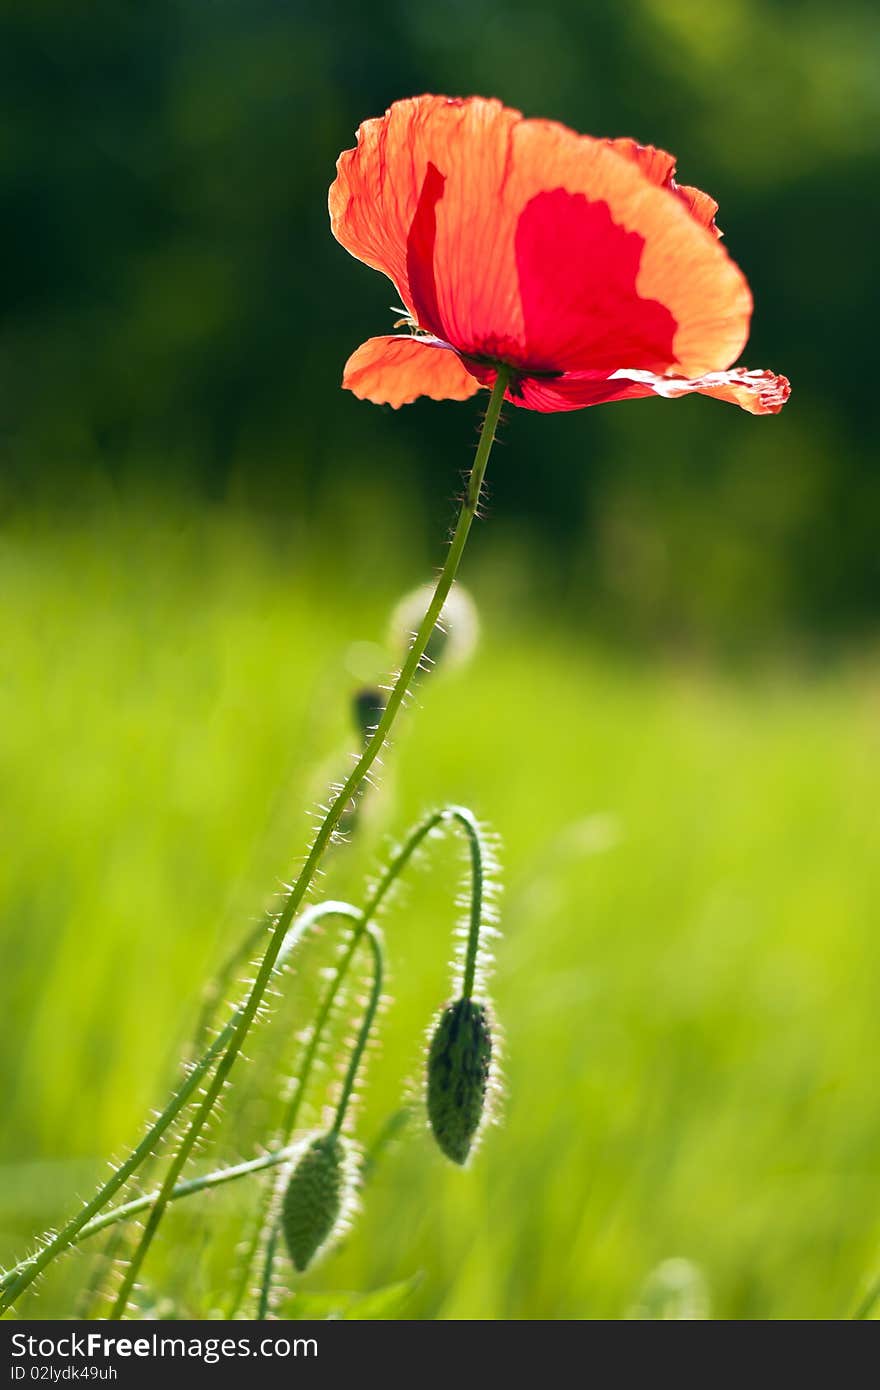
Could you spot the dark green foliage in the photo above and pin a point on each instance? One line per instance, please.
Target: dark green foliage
(458, 1076)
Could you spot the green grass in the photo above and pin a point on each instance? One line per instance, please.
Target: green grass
(687, 980)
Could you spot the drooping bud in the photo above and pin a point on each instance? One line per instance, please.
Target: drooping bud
(459, 1059)
(320, 1195)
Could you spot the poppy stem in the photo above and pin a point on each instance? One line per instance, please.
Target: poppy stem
(363, 1036)
(207, 1181)
(324, 837)
(458, 816)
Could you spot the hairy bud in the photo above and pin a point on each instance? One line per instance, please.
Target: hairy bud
(319, 1197)
(458, 1076)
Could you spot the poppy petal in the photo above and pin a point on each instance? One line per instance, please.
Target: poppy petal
(656, 164)
(659, 167)
(396, 370)
(654, 255)
(760, 393)
(493, 229)
(563, 390)
(700, 205)
(423, 151)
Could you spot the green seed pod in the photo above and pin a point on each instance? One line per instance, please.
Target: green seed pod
(458, 1076)
(320, 1195)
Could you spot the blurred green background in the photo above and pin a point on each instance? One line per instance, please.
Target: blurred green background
(673, 717)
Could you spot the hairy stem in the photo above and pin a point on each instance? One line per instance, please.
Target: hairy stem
(14, 1283)
(324, 837)
(190, 1188)
(455, 815)
(476, 915)
(363, 1036)
(265, 1298)
(348, 1085)
(25, 1273)
(333, 909)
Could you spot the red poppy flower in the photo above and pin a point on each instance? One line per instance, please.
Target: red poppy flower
(580, 264)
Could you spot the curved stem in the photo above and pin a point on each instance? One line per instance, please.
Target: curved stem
(324, 836)
(357, 1055)
(363, 1036)
(459, 815)
(472, 950)
(337, 909)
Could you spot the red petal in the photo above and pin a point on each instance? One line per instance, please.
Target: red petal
(699, 205)
(760, 393)
(573, 316)
(659, 167)
(424, 151)
(394, 371)
(520, 241)
(655, 164)
(565, 391)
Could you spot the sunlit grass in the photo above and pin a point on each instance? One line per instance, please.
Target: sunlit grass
(687, 979)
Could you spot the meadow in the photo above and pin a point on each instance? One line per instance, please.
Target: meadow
(686, 977)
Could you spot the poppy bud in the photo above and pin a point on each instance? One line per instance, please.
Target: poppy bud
(319, 1196)
(368, 706)
(458, 1076)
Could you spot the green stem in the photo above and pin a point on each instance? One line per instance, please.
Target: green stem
(357, 1055)
(337, 909)
(266, 1283)
(212, 996)
(476, 918)
(363, 1036)
(459, 815)
(70, 1234)
(324, 836)
(190, 1188)
(29, 1270)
